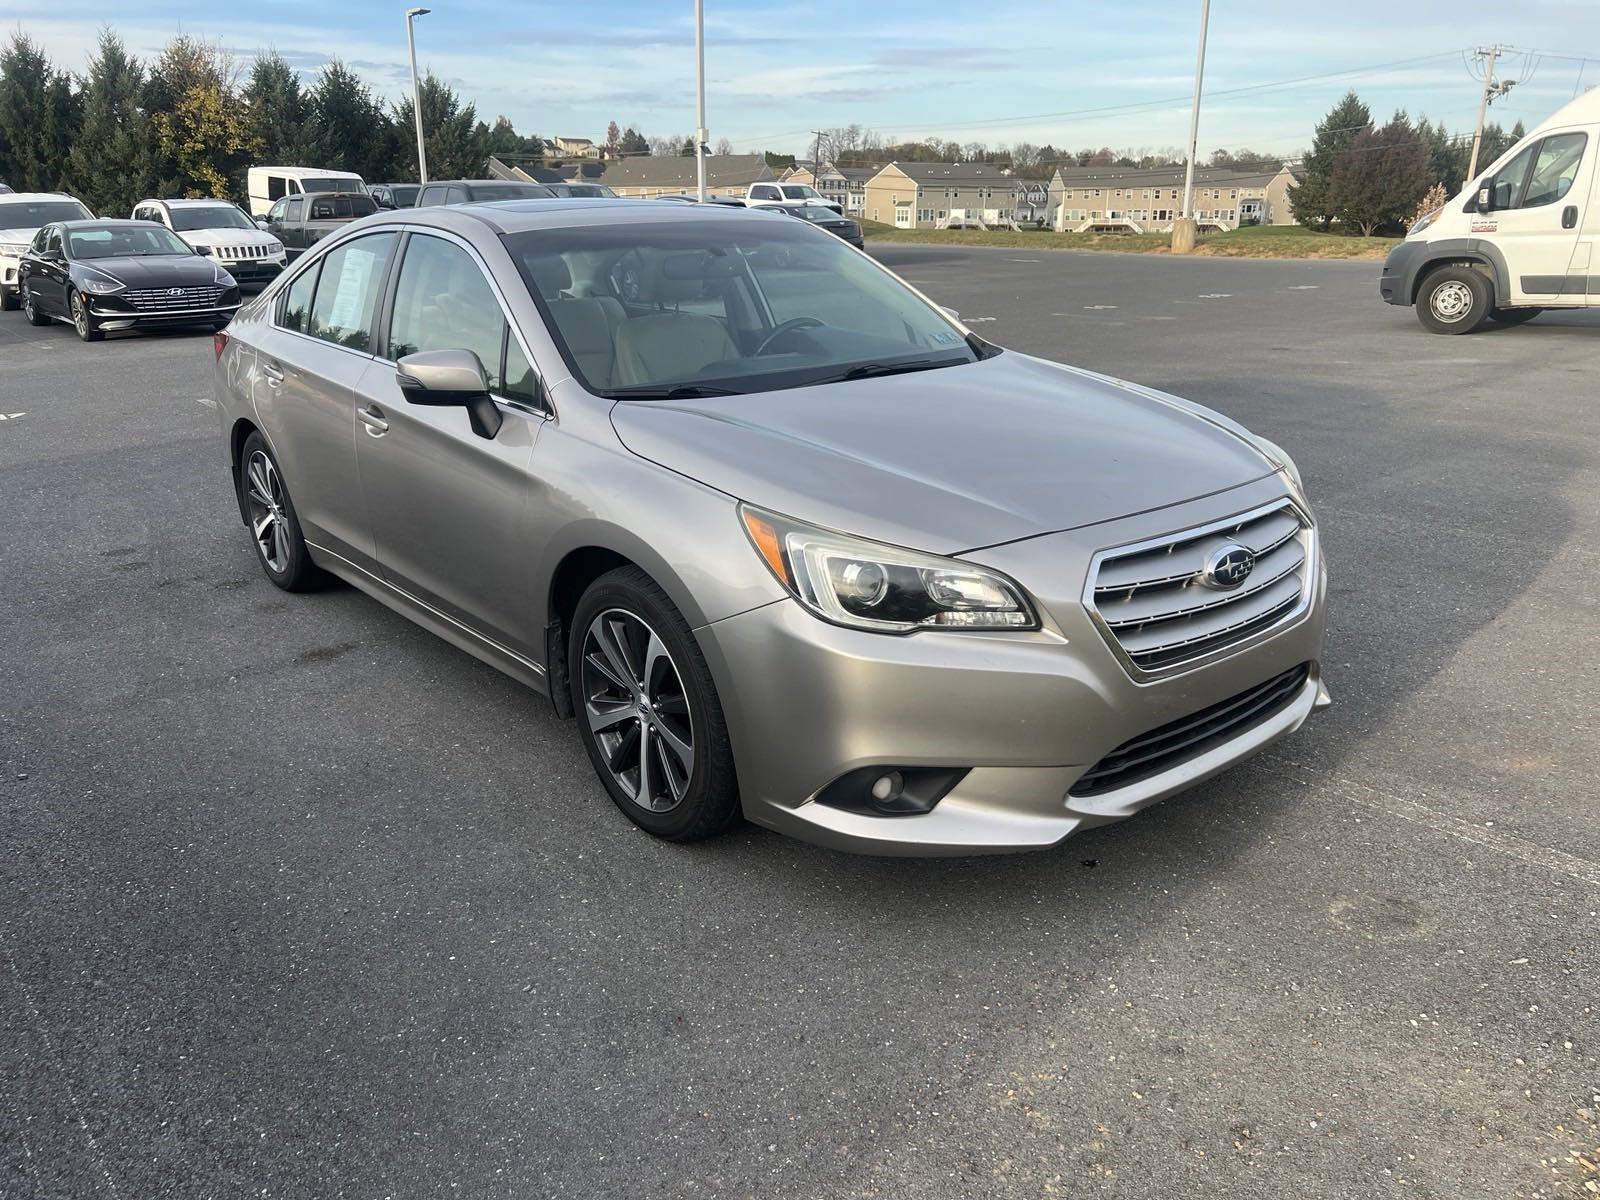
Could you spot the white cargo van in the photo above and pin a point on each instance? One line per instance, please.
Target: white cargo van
(1520, 238)
(268, 185)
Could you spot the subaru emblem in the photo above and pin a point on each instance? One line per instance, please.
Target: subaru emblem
(1228, 566)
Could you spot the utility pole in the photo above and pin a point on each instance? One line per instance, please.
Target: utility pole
(816, 159)
(1183, 229)
(416, 93)
(1492, 91)
(700, 133)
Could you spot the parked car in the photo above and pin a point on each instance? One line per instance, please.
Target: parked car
(394, 195)
(268, 185)
(300, 222)
(222, 232)
(788, 195)
(786, 537)
(580, 190)
(22, 215)
(711, 198)
(6, 190)
(479, 191)
(106, 275)
(1514, 242)
(826, 218)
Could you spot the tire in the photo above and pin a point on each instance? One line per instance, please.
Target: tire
(8, 299)
(640, 683)
(1454, 300)
(30, 309)
(1514, 316)
(274, 527)
(83, 323)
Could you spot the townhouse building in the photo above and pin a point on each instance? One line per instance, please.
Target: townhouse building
(1149, 199)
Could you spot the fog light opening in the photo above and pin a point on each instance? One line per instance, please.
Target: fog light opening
(886, 791)
(888, 787)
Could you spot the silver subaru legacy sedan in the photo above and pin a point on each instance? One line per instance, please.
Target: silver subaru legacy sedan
(783, 536)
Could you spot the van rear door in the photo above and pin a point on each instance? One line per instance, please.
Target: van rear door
(1539, 202)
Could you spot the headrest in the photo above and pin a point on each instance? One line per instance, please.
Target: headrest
(550, 275)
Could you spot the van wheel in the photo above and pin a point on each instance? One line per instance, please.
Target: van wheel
(1454, 300)
(1514, 316)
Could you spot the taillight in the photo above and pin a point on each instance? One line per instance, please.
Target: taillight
(219, 343)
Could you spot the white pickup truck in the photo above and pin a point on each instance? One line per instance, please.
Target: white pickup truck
(787, 195)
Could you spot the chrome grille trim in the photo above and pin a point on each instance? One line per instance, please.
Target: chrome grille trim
(169, 299)
(1147, 602)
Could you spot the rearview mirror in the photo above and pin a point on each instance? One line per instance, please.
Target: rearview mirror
(450, 379)
(1485, 200)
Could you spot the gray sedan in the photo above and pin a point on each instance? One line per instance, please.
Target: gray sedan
(786, 538)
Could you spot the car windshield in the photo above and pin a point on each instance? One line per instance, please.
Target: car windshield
(32, 214)
(815, 212)
(798, 191)
(510, 191)
(123, 241)
(726, 305)
(404, 195)
(209, 216)
(586, 191)
(342, 208)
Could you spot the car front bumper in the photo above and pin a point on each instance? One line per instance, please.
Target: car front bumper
(255, 272)
(112, 319)
(1023, 714)
(8, 272)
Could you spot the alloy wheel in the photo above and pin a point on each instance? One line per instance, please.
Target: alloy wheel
(27, 305)
(269, 523)
(1451, 301)
(80, 316)
(637, 709)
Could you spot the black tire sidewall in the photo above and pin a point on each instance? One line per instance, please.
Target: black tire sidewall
(301, 575)
(712, 797)
(1482, 300)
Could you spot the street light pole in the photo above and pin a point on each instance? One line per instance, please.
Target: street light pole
(1183, 229)
(416, 92)
(700, 134)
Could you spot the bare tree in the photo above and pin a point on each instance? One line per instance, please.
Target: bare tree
(723, 146)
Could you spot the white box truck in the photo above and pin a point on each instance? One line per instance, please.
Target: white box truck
(1520, 238)
(268, 185)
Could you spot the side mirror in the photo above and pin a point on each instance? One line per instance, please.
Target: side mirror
(950, 312)
(1485, 199)
(450, 379)
(263, 223)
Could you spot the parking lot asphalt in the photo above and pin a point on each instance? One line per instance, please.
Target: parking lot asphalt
(296, 900)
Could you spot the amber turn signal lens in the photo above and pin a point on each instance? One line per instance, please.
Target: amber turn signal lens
(765, 536)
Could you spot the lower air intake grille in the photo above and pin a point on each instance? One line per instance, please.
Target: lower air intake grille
(1189, 737)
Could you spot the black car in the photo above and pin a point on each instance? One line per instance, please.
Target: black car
(479, 191)
(826, 218)
(104, 275)
(394, 195)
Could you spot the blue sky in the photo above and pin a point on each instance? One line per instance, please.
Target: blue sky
(993, 71)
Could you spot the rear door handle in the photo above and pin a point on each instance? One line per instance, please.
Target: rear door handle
(372, 418)
(273, 374)
(1569, 217)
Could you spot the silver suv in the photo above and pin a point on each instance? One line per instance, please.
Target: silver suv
(784, 536)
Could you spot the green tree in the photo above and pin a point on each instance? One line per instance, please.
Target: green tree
(1379, 178)
(278, 109)
(1311, 201)
(201, 128)
(687, 149)
(633, 142)
(348, 130)
(38, 117)
(112, 164)
(456, 141)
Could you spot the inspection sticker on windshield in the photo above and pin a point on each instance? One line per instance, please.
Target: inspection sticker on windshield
(944, 339)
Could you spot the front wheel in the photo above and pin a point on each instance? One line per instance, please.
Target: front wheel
(87, 330)
(1514, 316)
(1454, 299)
(274, 526)
(648, 711)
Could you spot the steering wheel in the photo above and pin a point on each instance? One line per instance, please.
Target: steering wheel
(788, 326)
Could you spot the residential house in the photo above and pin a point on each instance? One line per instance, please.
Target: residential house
(572, 147)
(1148, 199)
(919, 195)
(659, 175)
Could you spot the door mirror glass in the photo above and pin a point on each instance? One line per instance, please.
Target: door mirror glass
(450, 379)
(1485, 200)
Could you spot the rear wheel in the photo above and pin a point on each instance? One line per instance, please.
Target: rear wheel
(88, 331)
(648, 711)
(1454, 299)
(1514, 316)
(274, 527)
(31, 310)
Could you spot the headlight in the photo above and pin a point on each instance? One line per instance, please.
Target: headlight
(218, 275)
(1424, 221)
(1280, 456)
(276, 251)
(102, 287)
(867, 585)
(13, 249)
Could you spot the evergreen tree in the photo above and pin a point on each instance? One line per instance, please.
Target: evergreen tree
(348, 129)
(278, 109)
(1310, 201)
(633, 142)
(112, 164)
(456, 141)
(37, 117)
(1379, 178)
(201, 129)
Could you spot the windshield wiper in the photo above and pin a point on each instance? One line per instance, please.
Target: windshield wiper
(681, 391)
(875, 369)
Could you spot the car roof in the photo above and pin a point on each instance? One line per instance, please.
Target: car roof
(190, 203)
(496, 182)
(104, 223)
(518, 216)
(10, 196)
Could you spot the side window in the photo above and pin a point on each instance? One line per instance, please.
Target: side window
(322, 210)
(455, 195)
(275, 189)
(52, 241)
(1507, 183)
(520, 381)
(1554, 169)
(294, 187)
(347, 291)
(297, 301)
(277, 210)
(41, 240)
(292, 207)
(443, 302)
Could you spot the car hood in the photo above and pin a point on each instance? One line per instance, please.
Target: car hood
(174, 270)
(951, 459)
(228, 236)
(18, 235)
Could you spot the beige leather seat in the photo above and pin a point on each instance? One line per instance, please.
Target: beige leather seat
(670, 346)
(587, 324)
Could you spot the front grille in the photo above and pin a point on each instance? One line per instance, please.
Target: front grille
(1189, 737)
(240, 253)
(1152, 605)
(173, 299)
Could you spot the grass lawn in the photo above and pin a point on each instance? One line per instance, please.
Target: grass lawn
(1251, 241)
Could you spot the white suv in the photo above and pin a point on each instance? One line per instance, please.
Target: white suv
(22, 215)
(787, 195)
(223, 233)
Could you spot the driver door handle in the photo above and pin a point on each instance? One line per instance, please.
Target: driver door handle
(372, 418)
(1569, 217)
